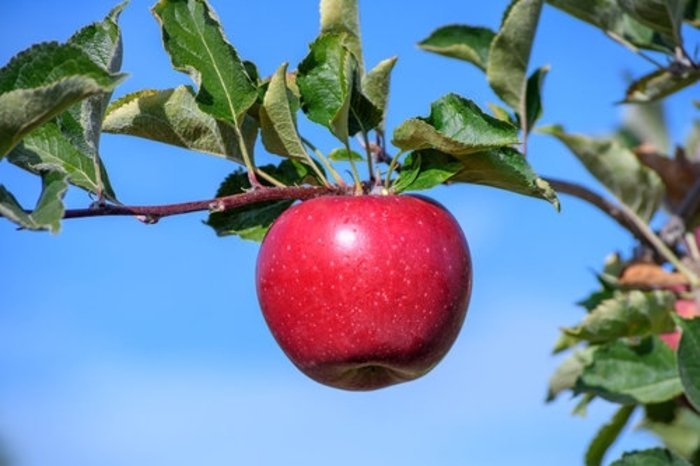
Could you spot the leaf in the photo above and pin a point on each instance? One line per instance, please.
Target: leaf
(568, 372)
(509, 53)
(607, 435)
(47, 148)
(651, 457)
(677, 426)
(617, 168)
(647, 275)
(467, 43)
(689, 359)
(253, 220)
(193, 37)
(533, 97)
(505, 168)
(426, 169)
(646, 124)
(456, 126)
(661, 83)
(664, 16)
(692, 13)
(342, 155)
(49, 209)
(329, 84)
(173, 117)
(608, 16)
(43, 81)
(635, 313)
(342, 17)
(375, 84)
(632, 373)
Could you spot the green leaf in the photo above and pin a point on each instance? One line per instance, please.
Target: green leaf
(607, 435)
(49, 209)
(342, 17)
(193, 37)
(173, 117)
(533, 97)
(47, 147)
(252, 221)
(664, 16)
(467, 43)
(651, 457)
(632, 373)
(425, 169)
(646, 123)
(608, 16)
(456, 126)
(505, 168)
(329, 83)
(689, 359)
(677, 426)
(509, 53)
(342, 155)
(617, 168)
(661, 83)
(375, 84)
(692, 13)
(43, 81)
(568, 372)
(635, 313)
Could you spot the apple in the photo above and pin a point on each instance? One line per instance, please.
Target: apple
(363, 292)
(687, 309)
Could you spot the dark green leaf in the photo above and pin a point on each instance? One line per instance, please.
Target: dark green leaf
(456, 126)
(102, 41)
(533, 97)
(252, 221)
(608, 16)
(661, 83)
(49, 209)
(617, 168)
(278, 119)
(509, 54)
(632, 373)
(689, 359)
(607, 435)
(196, 43)
(568, 372)
(426, 169)
(172, 116)
(505, 168)
(664, 16)
(467, 43)
(635, 313)
(43, 81)
(652, 457)
(692, 13)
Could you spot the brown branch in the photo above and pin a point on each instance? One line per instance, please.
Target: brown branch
(151, 214)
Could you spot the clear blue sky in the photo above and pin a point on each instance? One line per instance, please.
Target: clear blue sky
(126, 344)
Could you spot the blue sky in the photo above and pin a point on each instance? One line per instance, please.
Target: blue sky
(122, 343)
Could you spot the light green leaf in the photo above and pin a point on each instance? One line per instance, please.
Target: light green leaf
(646, 123)
(467, 43)
(375, 84)
(425, 169)
(49, 209)
(193, 37)
(689, 359)
(632, 373)
(47, 147)
(634, 313)
(342, 17)
(608, 16)
(43, 81)
(664, 16)
(617, 168)
(607, 435)
(173, 117)
(456, 126)
(509, 54)
(651, 457)
(568, 372)
(505, 168)
(661, 83)
(676, 425)
(342, 155)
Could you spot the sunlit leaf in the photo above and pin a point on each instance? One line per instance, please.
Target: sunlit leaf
(607, 435)
(49, 209)
(342, 17)
(661, 83)
(632, 373)
(568, 372)
(617, 168)
(193, 37)
(172, 116)
(467, 43)
(375, 84)
(676, 425)
(689, 359)
(342, 155)
(509, 53)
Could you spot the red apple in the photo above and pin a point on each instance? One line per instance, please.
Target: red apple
(363, 292)
(686, 308)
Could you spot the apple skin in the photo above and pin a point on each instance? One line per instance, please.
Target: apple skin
(363, 292)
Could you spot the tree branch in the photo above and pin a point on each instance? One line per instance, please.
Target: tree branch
(151, 214)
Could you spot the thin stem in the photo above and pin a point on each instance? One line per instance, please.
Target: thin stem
(326, 163)
(353, 168)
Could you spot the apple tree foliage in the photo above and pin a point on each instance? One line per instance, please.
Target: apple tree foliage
(56, 102)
